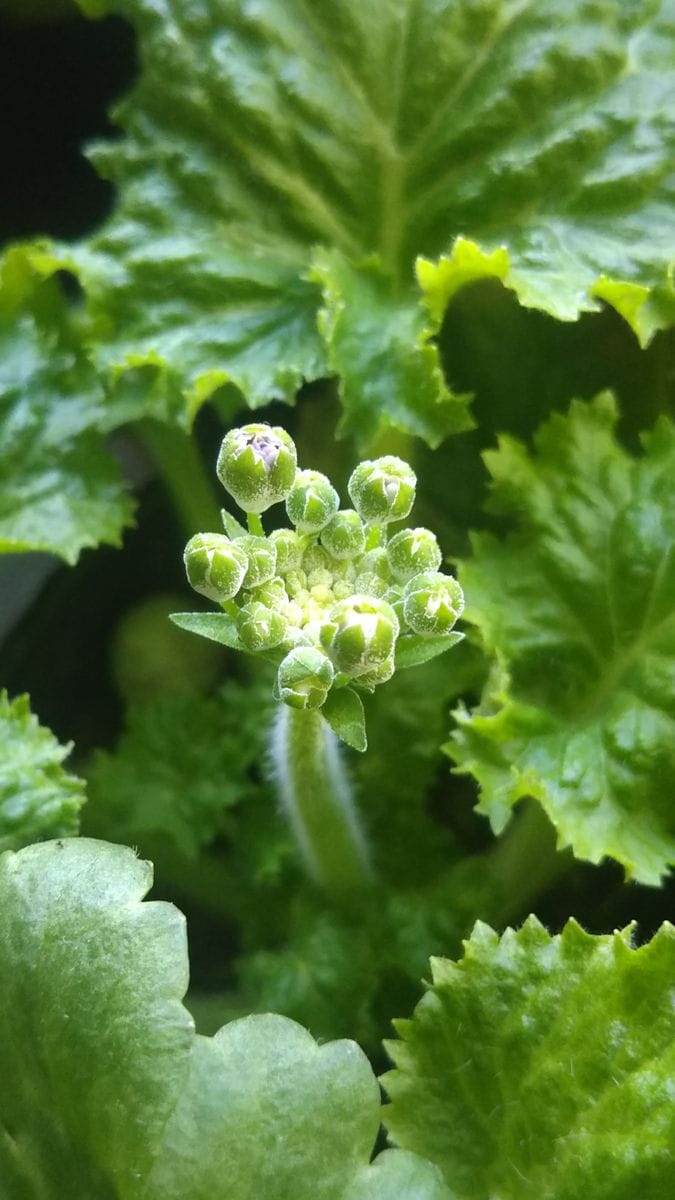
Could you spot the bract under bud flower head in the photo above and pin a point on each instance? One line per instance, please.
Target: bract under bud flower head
(290, 548)
(262, 559)
(259, 627)
(311, 502)
(304, 677)
(412, 551)
(382, 490)
(432, 602)
(344, 537)
(215, 566)
(359, 634)
(257, 465)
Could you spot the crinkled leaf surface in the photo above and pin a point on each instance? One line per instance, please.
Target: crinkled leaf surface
(106, 1093)
(38, 799)
(578, 605)
(180, 765)
(543, 1066)
(286, 159)
(59, 489)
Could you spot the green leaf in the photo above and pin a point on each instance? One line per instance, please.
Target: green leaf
(106, 1092)
(38, 799)
(578, 605)
(94, 1042)
(268, 1112)
(542, 1066)
(412, 649)
(232, 526)
(182, 764)
(217, 627)
(284, 162)
(343, 710)
(59, 489)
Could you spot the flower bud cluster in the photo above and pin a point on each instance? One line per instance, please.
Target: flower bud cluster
(331, 596)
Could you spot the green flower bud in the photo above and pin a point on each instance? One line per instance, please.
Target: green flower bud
(257, 465)
(315, 559)
(344, 537)
(273, 595)
(432, 602)
(311, 502)
(370, 584)
(394, 596)
(304, 677)
(359, 634)
(290, 547)
(215, 566)
(382, 490)
(296, 583)
(259, 627)
(412, 551)
(375, 562)
(262, 559)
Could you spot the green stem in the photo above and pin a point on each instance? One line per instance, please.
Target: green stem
(179, 463)
(524, 864)
(316, 797)
(255, 525)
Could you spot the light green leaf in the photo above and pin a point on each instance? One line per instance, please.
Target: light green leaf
(38, 799)
(59, 489)
(94, 1042)
(412, 650)
(286, 162)
(106, 1093)
(217, 627)
(343, 710)
(542, 1066)
(578, 605)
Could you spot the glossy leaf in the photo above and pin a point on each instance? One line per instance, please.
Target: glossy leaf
(286, 162)
(578, 605)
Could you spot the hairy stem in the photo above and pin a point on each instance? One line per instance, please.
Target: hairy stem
(524, 864)
(317, 800)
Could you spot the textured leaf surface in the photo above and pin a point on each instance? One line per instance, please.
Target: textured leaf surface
(578, 605)
(540, 1066)
(94, 1040)
(106, 1092)
(413, 650)
(217, 627)
(182, 764)
(38, 799)
(291, 160)
(59, 489)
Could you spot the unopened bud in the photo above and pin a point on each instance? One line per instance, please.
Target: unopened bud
(382, 490)
(290, 547)
(257, 465)
(259, 627)
(432, 602)
(215, 566)
(344, 537)
(359, 634)
(412, 551)
(262, 559)
(304, 677)
(311, 502)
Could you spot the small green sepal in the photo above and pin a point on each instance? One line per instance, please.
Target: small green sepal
(262, 560)
(259, 627)
(412, 551)
(344, 713)
(344, 537)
